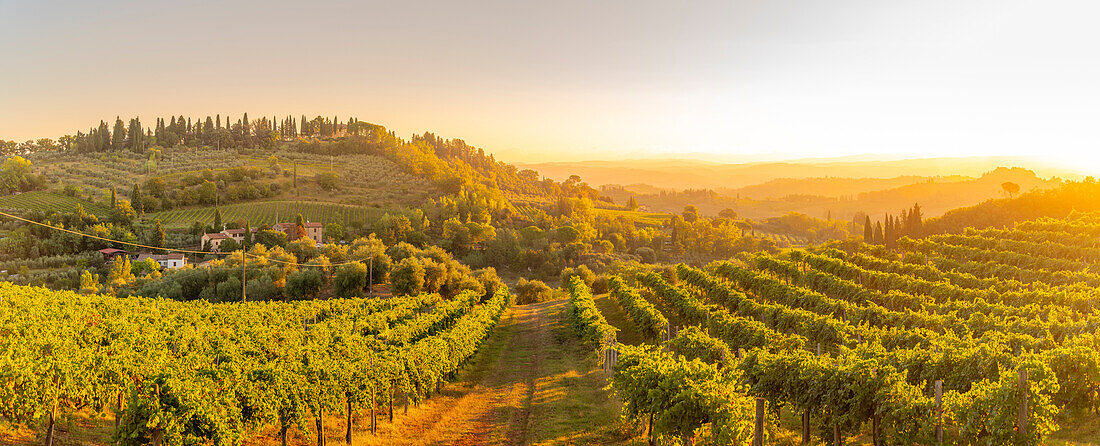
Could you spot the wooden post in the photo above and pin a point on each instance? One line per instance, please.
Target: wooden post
(393, 392)
(818, 349)
(806, 427)
(939, 412)
(244, 284)
(875, 422)
(320, 428)
(758, 432)
(1023, 403)
(874, 429)
(347, 436)
(836, 435)
(374, 412)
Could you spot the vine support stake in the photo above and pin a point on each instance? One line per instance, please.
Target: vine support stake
(939, 412)
(1023, 403)
(758, 430)
(806, 427)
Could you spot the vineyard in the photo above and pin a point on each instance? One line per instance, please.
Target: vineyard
(197, 373)
(270, 212)
(989, 337)
(48, 201)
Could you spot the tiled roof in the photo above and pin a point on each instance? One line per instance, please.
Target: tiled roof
(173, 256)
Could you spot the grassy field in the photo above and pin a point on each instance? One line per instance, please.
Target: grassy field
(48, 201)
(269, 212)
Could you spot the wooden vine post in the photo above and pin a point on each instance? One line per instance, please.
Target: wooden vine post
(939, 412)
(373, 405)
(1023, 404)
(758, 430)
(806, 426)
(347, 433)
(875, 441)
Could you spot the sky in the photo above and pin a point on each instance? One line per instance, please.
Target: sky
(576, 80)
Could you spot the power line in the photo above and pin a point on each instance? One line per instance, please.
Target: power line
(182, 251)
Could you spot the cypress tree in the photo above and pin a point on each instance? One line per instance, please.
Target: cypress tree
(247, 235)
(114, 198)
(888, 231)
(158, 235)
(135, 199)
(878, 233)
(868, 231)
(218, 220)
(915, 223)
(118, 136)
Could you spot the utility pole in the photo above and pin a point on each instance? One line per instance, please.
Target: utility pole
(244, 284)
(371, 275)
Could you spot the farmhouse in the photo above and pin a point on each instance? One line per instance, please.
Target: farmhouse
(213, 241)
(170, 261)
(313, 230)
(110, 254)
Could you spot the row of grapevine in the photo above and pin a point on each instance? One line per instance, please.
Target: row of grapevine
(1048, 251)
(645, 316)
(848, 390)
(738, 332)
(195, 372)
(586, 318)
(975, 317)
(1035, 236)
(930, 247)
(814, 327)
(1082, 228)
(944, 291)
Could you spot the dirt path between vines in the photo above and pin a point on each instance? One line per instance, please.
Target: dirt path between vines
(530, 383)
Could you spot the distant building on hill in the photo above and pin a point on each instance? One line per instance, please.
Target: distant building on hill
(110, 254)
(213, 241)
(171, 261)
(313, 230)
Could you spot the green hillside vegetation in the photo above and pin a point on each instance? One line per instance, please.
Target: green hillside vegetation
(164, 186)
(1081, 196)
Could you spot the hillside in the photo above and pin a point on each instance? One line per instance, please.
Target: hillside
(935, 195)
(1079, 196)
(679, 174)
(830, 187)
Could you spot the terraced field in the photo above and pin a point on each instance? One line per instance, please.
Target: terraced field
(47, 201)
(270, 212)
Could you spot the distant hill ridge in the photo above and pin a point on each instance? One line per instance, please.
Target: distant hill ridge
(679, 174)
